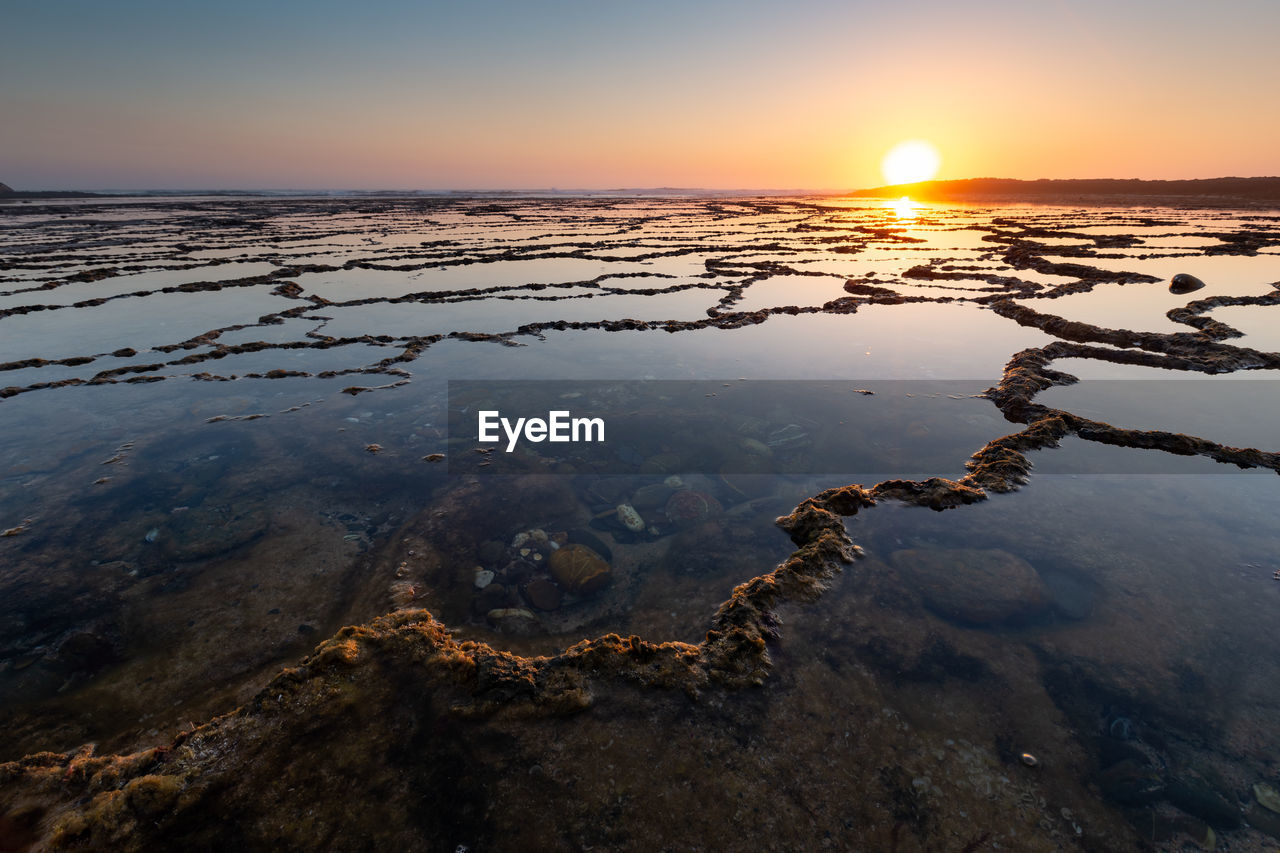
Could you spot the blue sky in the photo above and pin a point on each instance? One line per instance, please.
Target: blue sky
(569, 94)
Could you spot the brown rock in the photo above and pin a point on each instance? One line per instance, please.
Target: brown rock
(688, 507)
(980, 587)
(542, 594)
(579, 569)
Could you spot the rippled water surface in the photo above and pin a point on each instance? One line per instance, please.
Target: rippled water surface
(226, 436)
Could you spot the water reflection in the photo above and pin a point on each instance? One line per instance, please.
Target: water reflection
(209, 472)
(903, 208)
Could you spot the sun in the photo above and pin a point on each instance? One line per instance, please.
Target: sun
(910, 162)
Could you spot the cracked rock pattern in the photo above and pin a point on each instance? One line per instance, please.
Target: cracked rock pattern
(257, 479)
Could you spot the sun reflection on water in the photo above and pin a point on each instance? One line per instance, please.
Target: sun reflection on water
(903, 208)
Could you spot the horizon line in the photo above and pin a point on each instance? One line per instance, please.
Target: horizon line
(581, 190)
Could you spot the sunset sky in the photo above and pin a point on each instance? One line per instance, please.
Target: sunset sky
(602, 94)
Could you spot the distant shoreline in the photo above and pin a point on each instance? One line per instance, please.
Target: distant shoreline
(1262, 192)
(1206, 192)
(648, 192)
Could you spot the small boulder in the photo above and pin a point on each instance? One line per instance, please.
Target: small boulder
(579, 570)
(515, 620)
(979, 587)
(1195, 797)
(542, 594)
(652, 496)
(1185, 283)
(687, 508)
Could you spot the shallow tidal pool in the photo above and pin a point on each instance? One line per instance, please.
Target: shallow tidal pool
(859, 562)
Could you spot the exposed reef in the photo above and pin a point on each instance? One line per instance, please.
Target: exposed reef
(404, 732)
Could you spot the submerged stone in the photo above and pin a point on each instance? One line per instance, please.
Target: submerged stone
(1071, 596)
(629, 518)
(1113, 750)
(543, 594)
(492, 597)
(689, 507)
(582, 536)
(1267, 796)
(980, 587)
(651, 496)
(1131, 783)
(1263, 820)
(491, 551)
(515, 620)
(578, 569)
(1196, 798)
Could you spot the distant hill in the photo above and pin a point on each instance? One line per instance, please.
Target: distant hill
(1203, 191)
(7, 191)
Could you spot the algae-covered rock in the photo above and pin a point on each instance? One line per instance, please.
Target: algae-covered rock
(977, 586)
(580, 570)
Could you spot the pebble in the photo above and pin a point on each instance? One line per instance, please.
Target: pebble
(630, 518)
(1267, 796)
(484, 577)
